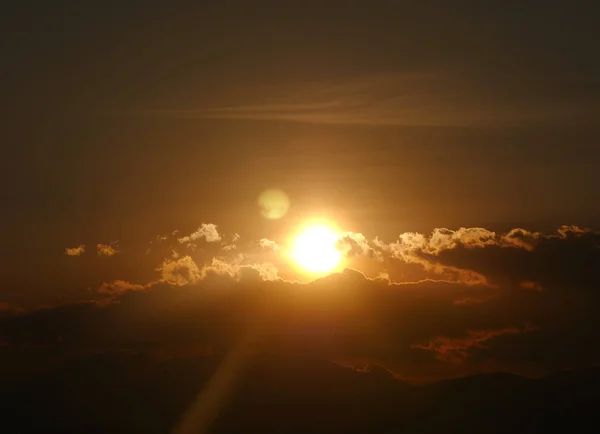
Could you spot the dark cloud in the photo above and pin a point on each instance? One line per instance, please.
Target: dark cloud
(414, 256)
(456, 350)
(7, 310)
(118, 287)
(519, 301)
(480, 300)
(421, 330)
(566, 261)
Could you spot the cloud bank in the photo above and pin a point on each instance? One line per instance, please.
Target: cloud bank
(424, 306)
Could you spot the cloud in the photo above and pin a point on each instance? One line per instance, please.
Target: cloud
(566, 231)
(520, 238)
(479, 256)
(75, 251)
(420, 99)
(228, 247)
(208, 231)
(443, 239)
(565, 261)
(415, 248)
(236, 269)
(119, 286)
(267, 244)
(456, 349)
(330, 317)
(181, 271)
(529, 285)
(356, 244)
(412, 305)
(471, 255)
(424, 330)
(107, 249)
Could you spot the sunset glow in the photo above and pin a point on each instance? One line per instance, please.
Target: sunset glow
(289, 217)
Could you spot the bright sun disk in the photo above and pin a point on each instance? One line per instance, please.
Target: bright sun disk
(314, 249)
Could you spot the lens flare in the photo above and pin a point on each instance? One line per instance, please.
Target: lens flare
(273, 203)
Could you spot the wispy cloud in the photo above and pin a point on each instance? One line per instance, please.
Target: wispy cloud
(528, 285)
(456, 349)
(425, 99)
(119, 287)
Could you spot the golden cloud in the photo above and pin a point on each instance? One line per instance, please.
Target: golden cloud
(75, 251)
(107, 249)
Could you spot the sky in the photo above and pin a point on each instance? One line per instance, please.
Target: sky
(453, 147)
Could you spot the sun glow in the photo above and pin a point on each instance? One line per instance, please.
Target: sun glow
(314, 249)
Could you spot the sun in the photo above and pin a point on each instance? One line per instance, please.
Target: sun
(314, 249)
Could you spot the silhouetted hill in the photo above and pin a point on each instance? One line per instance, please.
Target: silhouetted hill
(131, 393)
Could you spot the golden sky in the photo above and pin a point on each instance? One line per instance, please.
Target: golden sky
(414, 187)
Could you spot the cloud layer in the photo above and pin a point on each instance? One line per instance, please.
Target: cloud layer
(424, 306)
